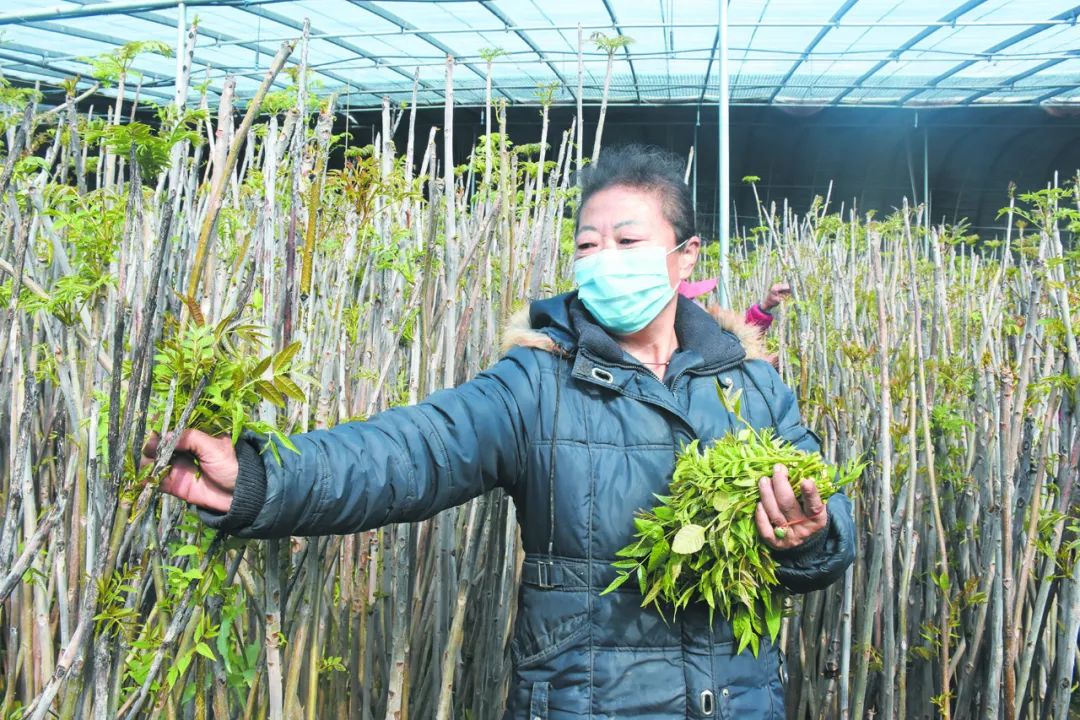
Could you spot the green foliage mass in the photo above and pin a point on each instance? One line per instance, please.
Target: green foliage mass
(237, 656)
(92, 226)
(152, 146)
(1047, 209)
(110, 67)
(224, 360)
(700, 543)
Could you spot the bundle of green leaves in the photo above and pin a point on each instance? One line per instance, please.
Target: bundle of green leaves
(700, 544)
(228, 361)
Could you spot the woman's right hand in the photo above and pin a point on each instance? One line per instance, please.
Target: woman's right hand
(209, 484)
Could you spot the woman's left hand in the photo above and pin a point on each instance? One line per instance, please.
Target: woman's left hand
(781, 520)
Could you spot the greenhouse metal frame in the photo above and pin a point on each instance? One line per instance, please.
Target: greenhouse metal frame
(844, 52)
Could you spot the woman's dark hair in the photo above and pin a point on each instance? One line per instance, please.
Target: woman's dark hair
(643, 167)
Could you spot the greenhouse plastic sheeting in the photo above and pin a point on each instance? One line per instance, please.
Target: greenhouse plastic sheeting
(829, 52)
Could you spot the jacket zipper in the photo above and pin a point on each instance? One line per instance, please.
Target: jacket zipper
(635, 368)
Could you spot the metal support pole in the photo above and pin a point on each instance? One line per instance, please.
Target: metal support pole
(697, 124)
(724, 170)
(64, 12)
(926, 171)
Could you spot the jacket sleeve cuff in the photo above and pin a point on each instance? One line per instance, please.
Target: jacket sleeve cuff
(808, 548)
(249, 495)
(825, 556)
(755, 315)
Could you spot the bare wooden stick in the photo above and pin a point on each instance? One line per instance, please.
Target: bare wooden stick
(219, 187)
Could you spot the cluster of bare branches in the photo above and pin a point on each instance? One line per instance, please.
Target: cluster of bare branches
(951, 363)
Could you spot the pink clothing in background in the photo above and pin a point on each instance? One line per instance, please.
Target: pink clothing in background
(754, 314)
(697, 288)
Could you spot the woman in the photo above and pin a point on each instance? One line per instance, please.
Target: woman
(579, 422)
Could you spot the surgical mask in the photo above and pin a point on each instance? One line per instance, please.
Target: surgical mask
(625, 289)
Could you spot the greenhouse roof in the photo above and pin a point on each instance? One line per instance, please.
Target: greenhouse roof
(912, 53)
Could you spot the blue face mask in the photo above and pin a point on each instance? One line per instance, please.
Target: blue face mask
(625, 289)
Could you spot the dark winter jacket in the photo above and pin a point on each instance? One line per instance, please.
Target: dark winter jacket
(575, 429)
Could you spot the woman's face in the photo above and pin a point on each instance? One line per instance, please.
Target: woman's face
(622, 218)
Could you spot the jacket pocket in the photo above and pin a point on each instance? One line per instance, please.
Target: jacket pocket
(549, 621)
(750, 687)
(529, 649)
